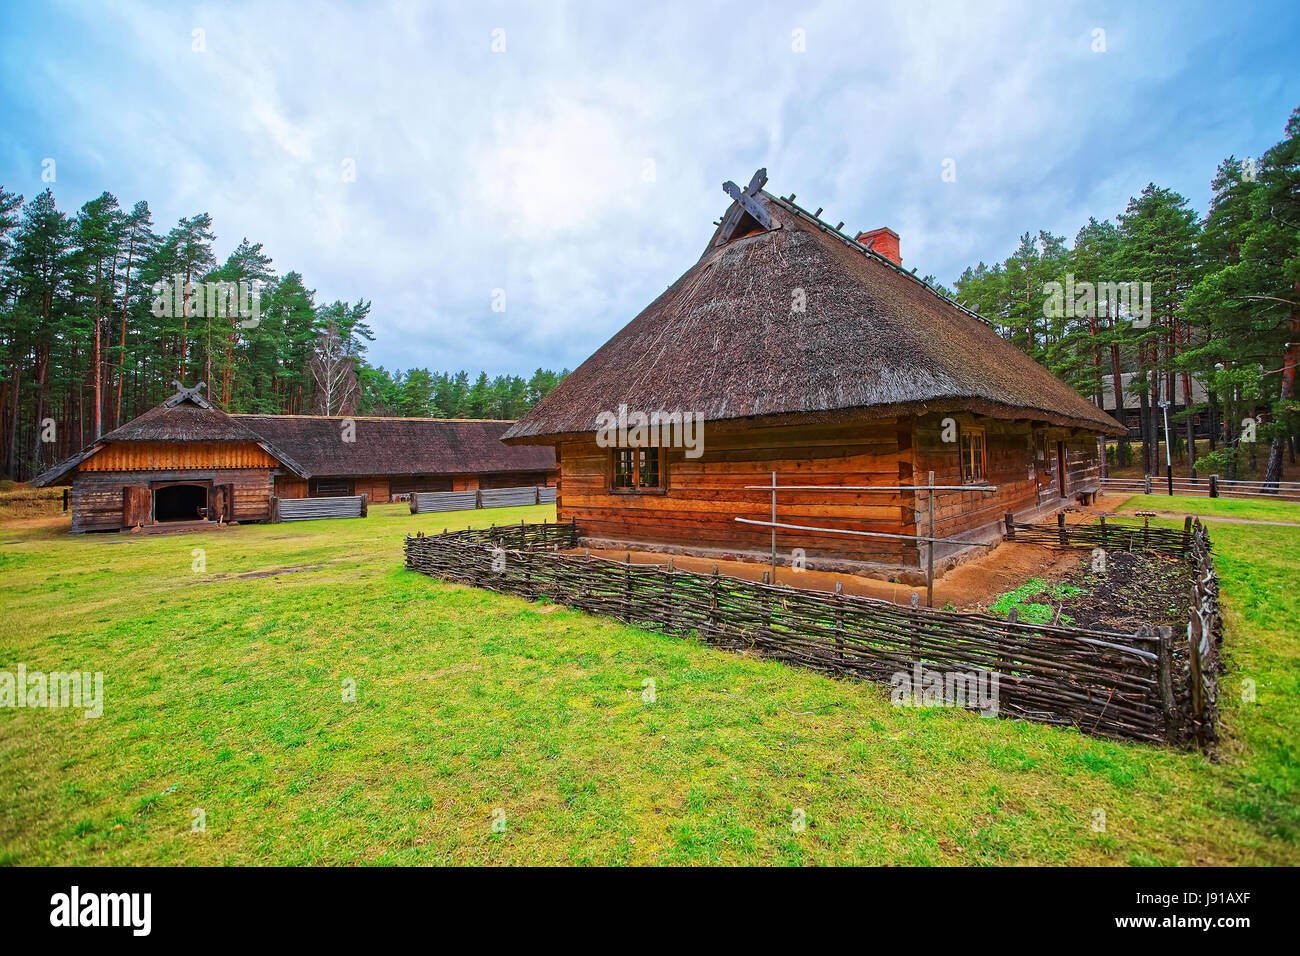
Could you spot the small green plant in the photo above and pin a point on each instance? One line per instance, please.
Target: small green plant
(1034, 612)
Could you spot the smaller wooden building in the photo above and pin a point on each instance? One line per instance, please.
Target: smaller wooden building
(189, 462)
(183, 463)
(386, 457)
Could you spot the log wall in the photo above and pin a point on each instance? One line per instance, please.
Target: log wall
(378, 488)
(696, 511)
(97, 495)
(704, 495)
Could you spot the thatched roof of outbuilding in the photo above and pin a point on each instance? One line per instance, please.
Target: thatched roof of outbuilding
(398, 446)
(186, 417)
(726, 341)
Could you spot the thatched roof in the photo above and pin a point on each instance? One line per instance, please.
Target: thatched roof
(398, 446)
(186, 417)
(873, 341)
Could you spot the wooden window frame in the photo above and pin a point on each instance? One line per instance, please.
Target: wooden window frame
(973, 431)
(636, 488)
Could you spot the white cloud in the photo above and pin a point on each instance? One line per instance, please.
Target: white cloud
(524, 170)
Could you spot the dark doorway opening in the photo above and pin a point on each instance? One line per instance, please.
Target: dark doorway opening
(180, 503)
(1060, 467)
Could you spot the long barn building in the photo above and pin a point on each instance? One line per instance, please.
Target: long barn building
(815, 355)
(188, 463)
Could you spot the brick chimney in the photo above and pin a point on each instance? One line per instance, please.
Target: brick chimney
(883, 241)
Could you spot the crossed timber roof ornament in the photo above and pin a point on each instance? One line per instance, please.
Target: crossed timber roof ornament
(747, 202)
(184, 394)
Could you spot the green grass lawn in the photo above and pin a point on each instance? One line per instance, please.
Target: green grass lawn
(1286, 511)
(224, 692)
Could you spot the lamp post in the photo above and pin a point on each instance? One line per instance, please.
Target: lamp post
(1169, 464)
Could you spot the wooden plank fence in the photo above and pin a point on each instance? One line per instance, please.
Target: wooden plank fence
(315, 509)
(426, 502)
(1211, 486)
(1104, 683)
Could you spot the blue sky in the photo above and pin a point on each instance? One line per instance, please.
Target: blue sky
(579, 169)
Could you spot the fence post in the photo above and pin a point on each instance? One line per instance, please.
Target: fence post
(415, 505)
(839, 623)
(1214, 486)
(1187, 534)
(364, 510)
(1060, 529)
(713, 603)
(670, 623)
(915, 643)
(478, 498)
(1102, 521)
(275, 509)
(627, 587)
(1147, 485)
(1011, 526)
(929, 547)
(1004, 662)
(1194, 659)
(773, 526)
(1165, 676)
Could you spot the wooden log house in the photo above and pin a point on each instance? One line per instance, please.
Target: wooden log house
(187, 463)
(813, 354)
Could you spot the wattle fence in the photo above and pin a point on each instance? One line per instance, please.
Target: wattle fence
(1111, 535)
(427, 502)
(1106, 683)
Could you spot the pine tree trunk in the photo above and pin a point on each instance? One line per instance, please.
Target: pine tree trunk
(1274, 473)
(11, 466)
(99, 398)
(121, 355)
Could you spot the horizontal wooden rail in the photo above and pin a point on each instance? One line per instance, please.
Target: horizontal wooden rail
(881, 488)
(862, 534)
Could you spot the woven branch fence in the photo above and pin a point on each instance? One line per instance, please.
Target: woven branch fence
(1103, 683)
(1105, 534)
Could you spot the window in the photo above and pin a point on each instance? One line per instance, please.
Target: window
(638, 469)
(972, 456)
(624, 468)
(649, 468)
(330, 487)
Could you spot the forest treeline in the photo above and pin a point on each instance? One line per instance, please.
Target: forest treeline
(87, 341)
(100, 314)
(1223, 308)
